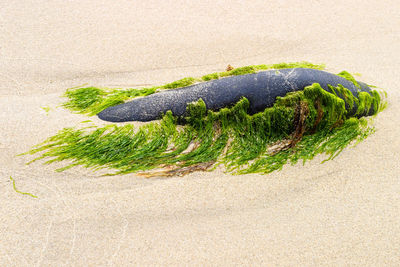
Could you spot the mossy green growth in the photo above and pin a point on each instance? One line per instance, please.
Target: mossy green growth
(256, 68)
(92, 100)
(180, 83)
(349, 77)
(299, 126)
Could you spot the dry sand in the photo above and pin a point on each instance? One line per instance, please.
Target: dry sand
(343, 212)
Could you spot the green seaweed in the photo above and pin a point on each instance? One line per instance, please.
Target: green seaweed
(299, 126)
(92, 100)
(180, 83)
(46, 109)
(20, 192)
(349, 77)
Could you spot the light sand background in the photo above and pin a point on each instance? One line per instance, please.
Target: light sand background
(343, 212)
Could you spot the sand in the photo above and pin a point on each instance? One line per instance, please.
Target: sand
(343, 212)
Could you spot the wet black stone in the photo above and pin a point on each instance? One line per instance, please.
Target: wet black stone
(261, 89)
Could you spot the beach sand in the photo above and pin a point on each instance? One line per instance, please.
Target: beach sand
(343, 212)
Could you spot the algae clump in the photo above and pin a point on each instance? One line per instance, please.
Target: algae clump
(297, 127)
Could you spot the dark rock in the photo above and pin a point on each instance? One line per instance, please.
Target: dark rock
(261, 89)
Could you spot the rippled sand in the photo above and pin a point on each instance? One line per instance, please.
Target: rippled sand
(343, 212)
